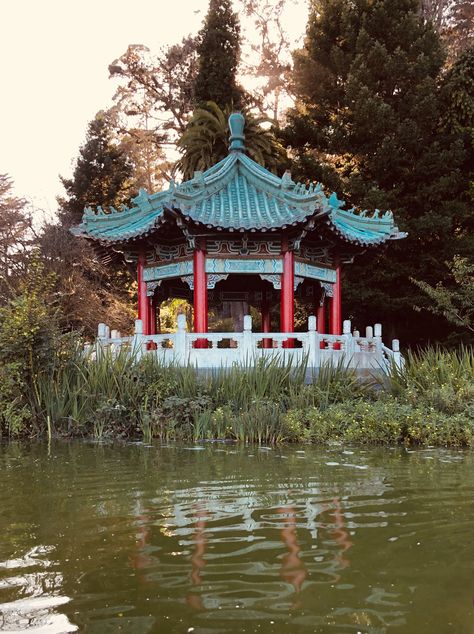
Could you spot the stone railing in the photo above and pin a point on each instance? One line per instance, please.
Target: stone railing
(224, 349)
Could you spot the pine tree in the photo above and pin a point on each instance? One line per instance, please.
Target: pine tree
(367, 124)
(219, 53)
(102, 175)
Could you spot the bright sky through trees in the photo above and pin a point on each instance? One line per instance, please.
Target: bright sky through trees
(55, 56)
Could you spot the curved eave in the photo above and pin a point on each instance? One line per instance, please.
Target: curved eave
(359, 231)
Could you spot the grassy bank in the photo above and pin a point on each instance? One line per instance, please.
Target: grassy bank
(429, 402)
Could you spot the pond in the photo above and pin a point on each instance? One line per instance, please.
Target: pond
(221, 538)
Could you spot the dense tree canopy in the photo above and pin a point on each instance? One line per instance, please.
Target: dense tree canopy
(367, 123)
(219, 54)
(102, 175)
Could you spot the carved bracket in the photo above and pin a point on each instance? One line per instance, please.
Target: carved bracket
(275, 280)
(213, 278)
(151, 287)
(328, 289)
(189, 280)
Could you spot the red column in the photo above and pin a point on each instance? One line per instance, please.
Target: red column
(335, 306)
(287, 315)
(266, 322)
(152, 316)
(321, 317)
(200, 294)
(143, 301)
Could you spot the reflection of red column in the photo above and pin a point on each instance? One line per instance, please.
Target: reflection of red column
(200, 294)
(287, 315)
(335, 305)
(143, 302)
(266, 321)
(293, 570)
(341, 536)
(197, 559)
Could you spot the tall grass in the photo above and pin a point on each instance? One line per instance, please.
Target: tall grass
(430, 399)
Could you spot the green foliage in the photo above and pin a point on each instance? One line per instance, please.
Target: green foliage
(30, 342)
(219, 53)
(430, 400)
(455, 303)
(206, 141)
(367, 124)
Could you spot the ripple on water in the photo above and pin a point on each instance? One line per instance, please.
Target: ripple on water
(143, 539)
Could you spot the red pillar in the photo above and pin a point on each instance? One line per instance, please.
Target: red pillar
(287, 315)
(143, 301)
(335, 306)
(152, 316)
(266, 322)
(321, 317)
(200, 294)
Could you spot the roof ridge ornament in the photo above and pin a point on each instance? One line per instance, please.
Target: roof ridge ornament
(237, 136)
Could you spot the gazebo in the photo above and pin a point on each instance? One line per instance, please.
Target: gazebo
(237, 235)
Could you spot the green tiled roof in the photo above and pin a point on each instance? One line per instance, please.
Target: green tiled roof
(237, 194)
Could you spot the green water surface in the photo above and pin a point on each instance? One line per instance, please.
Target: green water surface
(133, 538)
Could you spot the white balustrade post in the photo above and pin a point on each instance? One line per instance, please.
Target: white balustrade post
(180, 341)
(247, 351)
(313, 343)
(378, 342)
(396, 354)
(369, 332)
(138, 340)
(115, 345)
(100, 341)
(349, 344)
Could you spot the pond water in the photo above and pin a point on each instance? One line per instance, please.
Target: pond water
(221, 538)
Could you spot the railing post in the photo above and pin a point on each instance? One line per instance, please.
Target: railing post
(180, 341)
(101, 339)
(349, 343)
(313, 343)
(396, 354)
(247, 351)
(138, 340)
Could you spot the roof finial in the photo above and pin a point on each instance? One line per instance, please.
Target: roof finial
(237, 137)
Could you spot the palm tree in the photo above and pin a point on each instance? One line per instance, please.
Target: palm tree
(206, 141)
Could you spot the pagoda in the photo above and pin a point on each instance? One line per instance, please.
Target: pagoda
(236, 233)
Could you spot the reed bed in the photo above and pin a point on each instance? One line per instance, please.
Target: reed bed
(428, 401)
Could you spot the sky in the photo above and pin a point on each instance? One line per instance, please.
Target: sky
(55, 56)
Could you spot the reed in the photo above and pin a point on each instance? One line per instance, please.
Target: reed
(429, 399)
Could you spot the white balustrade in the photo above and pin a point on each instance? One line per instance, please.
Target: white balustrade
(224, 349)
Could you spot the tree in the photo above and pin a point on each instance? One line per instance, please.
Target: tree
(453, 20)
(102, 176)
(219, 54)
(206, 141)
(271, 73)
(86, 289)
(455, 303)
(367, 124)
(15, 237)
(160, 87)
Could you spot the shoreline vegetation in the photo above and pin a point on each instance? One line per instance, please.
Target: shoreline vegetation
(428, 402)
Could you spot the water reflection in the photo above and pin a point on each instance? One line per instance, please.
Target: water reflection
(141, 539)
